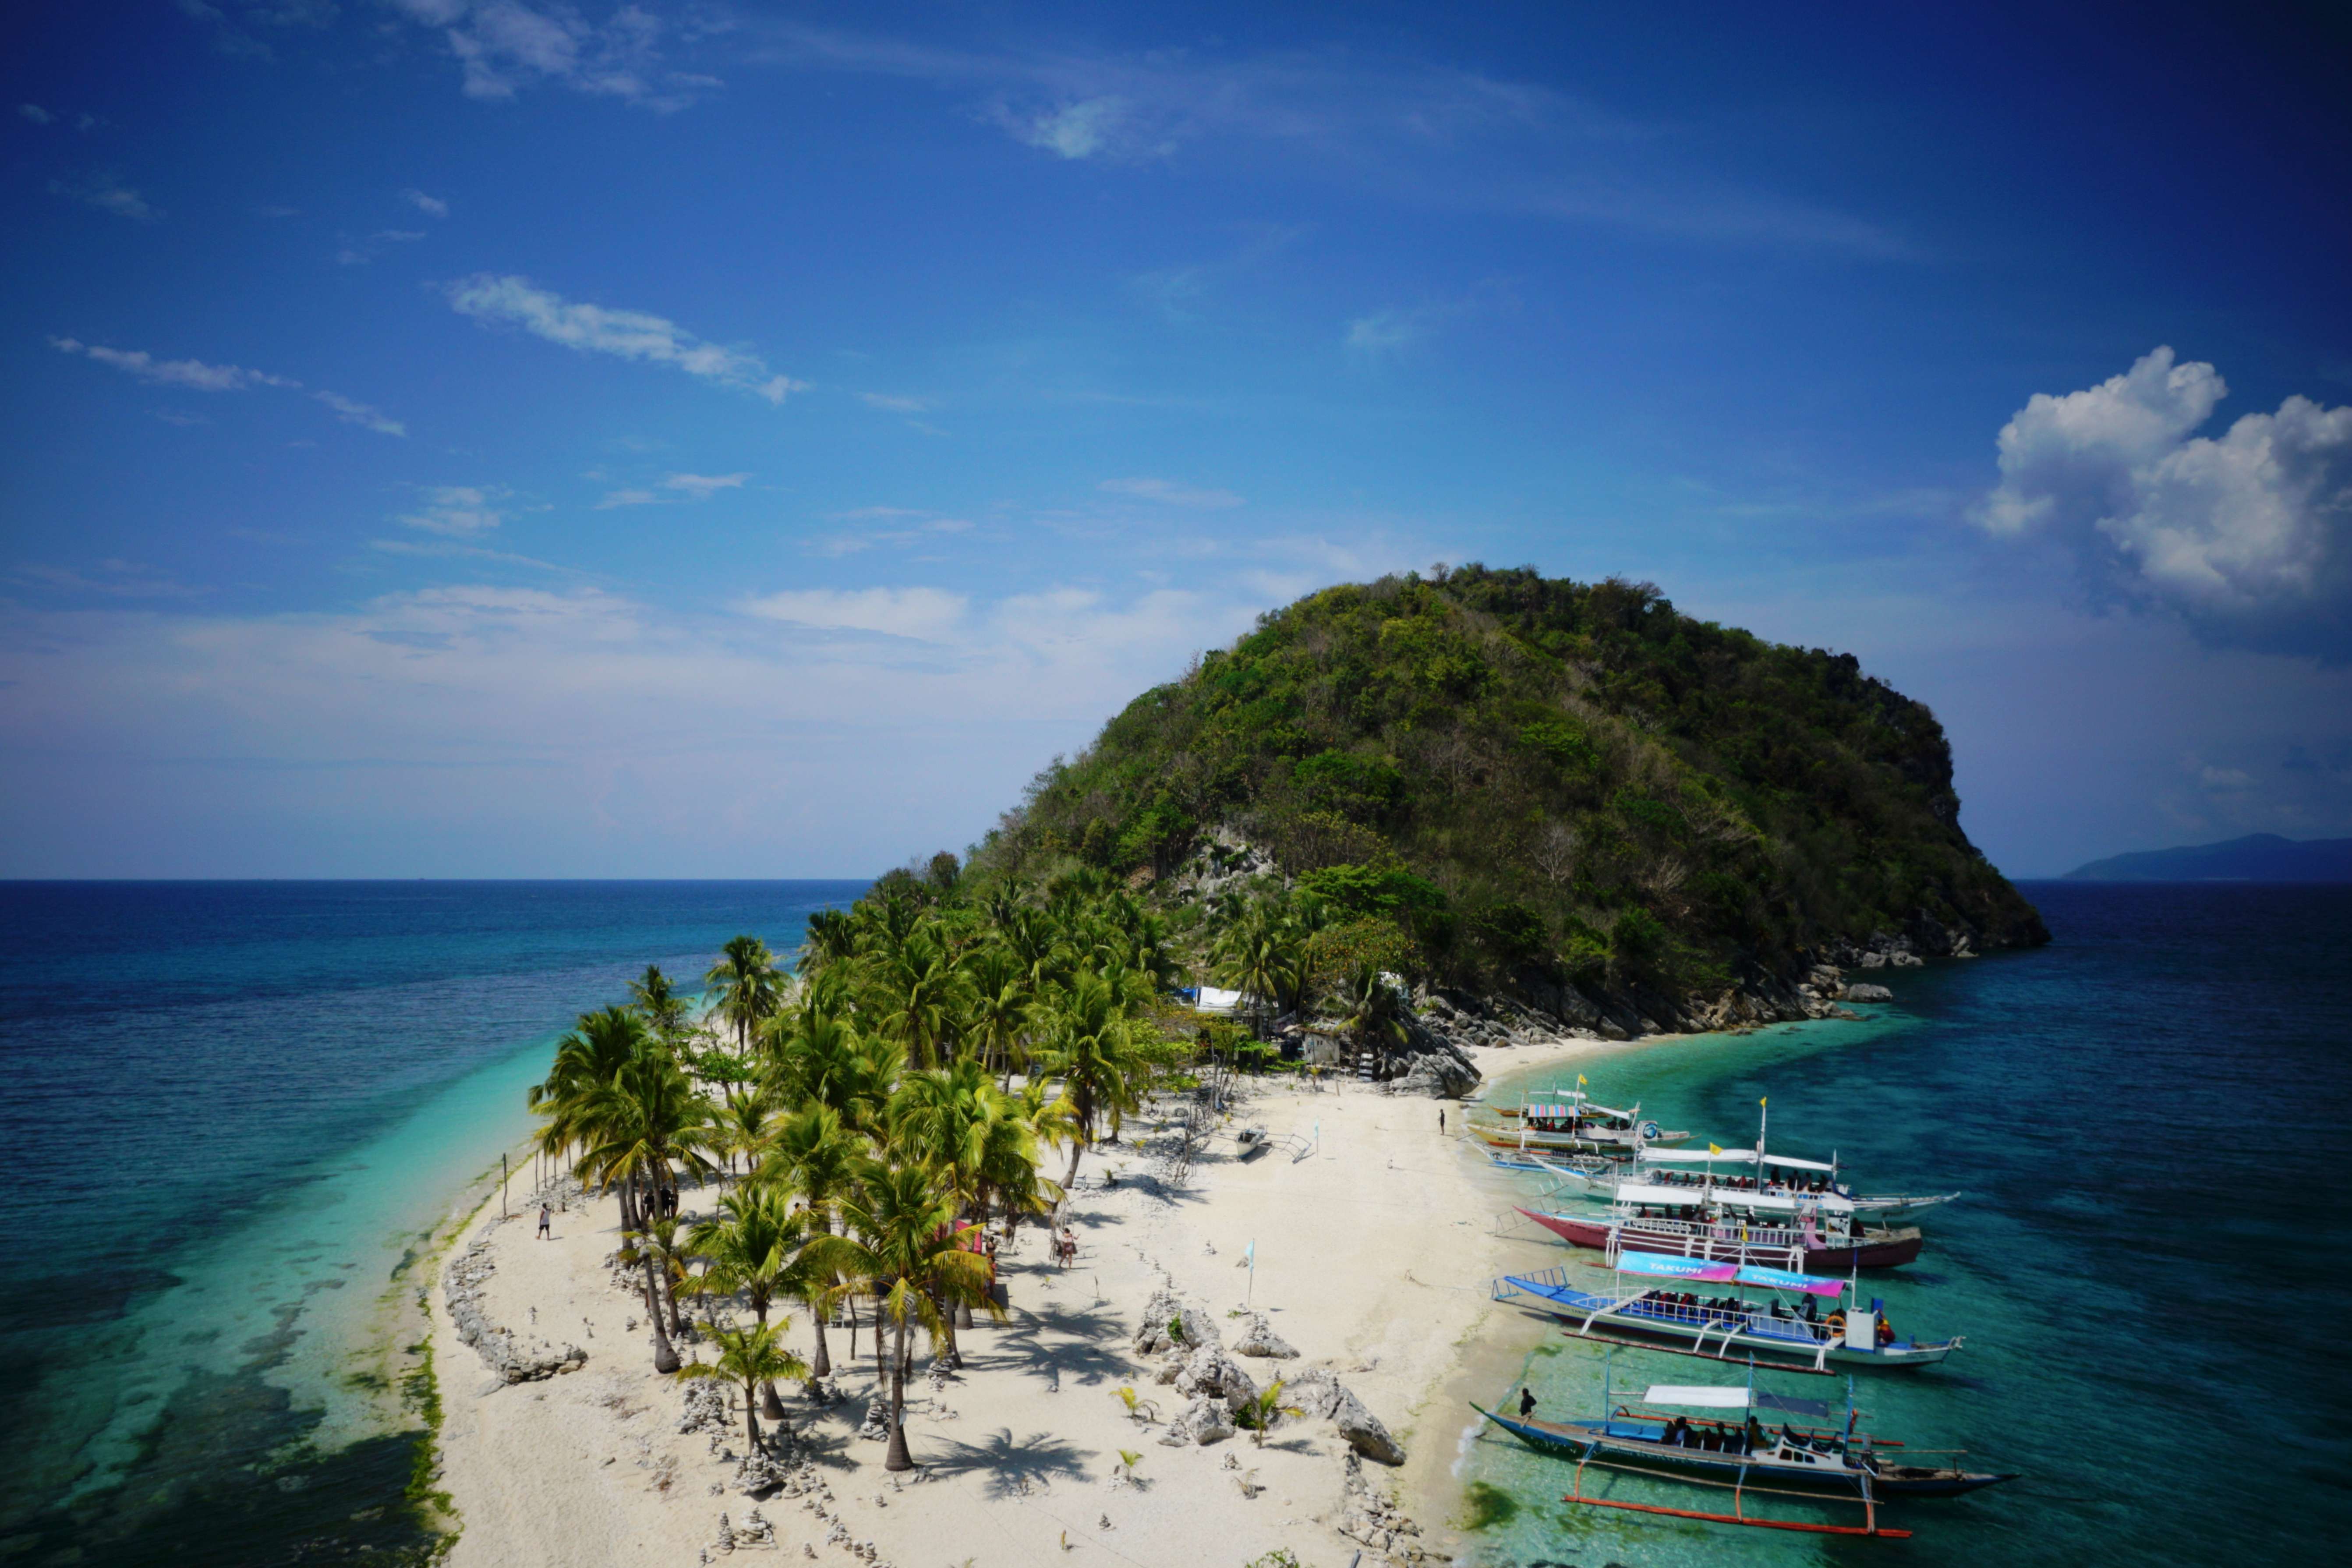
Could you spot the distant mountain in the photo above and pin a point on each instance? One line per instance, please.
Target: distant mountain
(2256, 857)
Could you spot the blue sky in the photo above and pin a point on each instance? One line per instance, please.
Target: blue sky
(490, 437)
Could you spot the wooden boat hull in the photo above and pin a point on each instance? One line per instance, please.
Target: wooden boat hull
(1878, 1249)
(1791, 1343)
(1634, 1439)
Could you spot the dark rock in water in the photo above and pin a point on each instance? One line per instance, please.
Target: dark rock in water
(1862, 992)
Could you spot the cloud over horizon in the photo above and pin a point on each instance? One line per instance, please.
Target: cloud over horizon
(2247, 537)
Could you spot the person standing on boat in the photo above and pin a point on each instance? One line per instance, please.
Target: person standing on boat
(1526, 1402)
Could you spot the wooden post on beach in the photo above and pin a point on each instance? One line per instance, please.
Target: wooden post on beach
(503, 1179)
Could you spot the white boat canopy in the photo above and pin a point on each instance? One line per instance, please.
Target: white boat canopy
(1729, 1157)
(1702, 1396)
(1697, 1397)
(1775, 1203)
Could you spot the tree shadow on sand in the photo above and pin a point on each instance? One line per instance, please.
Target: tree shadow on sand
(1010, 1466)
(1080, 1343)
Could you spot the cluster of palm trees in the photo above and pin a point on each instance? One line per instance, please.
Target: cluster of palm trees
(1266, 948)
(862, 1116)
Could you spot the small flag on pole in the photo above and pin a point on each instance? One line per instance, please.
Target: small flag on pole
(1715, 1148)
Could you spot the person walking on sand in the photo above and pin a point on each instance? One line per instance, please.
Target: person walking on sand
(1441, 1121)
(544, 1218)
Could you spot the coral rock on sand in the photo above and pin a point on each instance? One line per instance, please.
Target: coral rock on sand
(1170, 1321)
(1323, 1396)
(1260, 1340)
(1212, 1371)
(1203, 1421)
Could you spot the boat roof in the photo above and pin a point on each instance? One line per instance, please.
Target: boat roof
(1704, 1397)
(1661, 1267)
(1731, 1157)
(1770, 1203)
(1582, 1107)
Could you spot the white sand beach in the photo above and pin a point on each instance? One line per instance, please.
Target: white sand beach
(1373, 1250)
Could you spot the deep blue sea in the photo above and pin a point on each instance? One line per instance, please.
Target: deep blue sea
(232, 1113)
(2151, 1120)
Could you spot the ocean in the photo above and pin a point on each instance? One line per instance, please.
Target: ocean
(2150, 1264)
(241, 1110)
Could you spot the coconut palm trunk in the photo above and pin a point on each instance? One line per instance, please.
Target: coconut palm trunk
(899, 1459)
(664, 1353)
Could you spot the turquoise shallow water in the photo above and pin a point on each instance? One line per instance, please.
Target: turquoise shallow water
(240, 1109)
(2150, 1265)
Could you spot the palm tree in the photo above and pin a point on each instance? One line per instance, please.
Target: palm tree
(750, 1358)
(746, 1122)
(642, 1125)
(750, 986)
(1094, 1049)
(815, 1155)
(918, 995)
(1262, 1411)
(1370, 1009)
(1000, 1007)
(904, 1250)
(749, 1246)
(1260, 962)
(634, 1251)
(586, 1061)
(658, 1239)
(659, 1003)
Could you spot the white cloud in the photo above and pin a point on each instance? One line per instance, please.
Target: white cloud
(1383, 330)
(627, 498)
(193, 375)
(503, 46)
(892, 404)
(459, 512)
(115, 578)
(108, 194)
(1172, 493)
(925, 614)
(626, 335)
(701, 485)
(1073, 129)
(432, 207)
(2248, 536)
(36, 113)
(359, 413)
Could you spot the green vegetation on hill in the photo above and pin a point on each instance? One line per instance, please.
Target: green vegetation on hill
(1539, 779)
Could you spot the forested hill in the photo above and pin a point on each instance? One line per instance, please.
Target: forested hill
(1543, 782)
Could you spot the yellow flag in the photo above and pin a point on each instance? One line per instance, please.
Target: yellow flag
(1764, 1101)
(1715, 1148)
(1579, 1081)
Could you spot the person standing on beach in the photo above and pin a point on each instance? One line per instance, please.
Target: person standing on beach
(1441, 1121)
(543, 1221)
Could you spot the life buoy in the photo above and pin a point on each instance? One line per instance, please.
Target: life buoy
(1650, 1130)
(1837, 1322)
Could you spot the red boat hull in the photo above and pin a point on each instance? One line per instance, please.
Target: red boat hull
(1892, 1253)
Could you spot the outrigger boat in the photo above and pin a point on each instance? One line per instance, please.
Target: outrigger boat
(1816, 1234)
(1576, 1123)
(1640, 1311)
(1826, 1463)
(1735, 1170)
